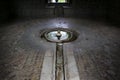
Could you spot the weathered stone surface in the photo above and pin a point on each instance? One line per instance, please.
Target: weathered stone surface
(96, 51)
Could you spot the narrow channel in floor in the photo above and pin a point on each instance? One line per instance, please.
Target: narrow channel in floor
(61, 65)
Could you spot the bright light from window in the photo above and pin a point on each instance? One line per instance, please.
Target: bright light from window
(53, 1)
(58, 1)
(61, 1)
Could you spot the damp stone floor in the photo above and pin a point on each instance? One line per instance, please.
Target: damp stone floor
(94, 55)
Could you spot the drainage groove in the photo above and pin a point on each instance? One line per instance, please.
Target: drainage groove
(59, 72)
(60, 36)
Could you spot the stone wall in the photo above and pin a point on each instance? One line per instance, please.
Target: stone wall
(78, 8)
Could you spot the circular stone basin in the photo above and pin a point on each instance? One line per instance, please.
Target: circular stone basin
(53, 35)
(59, 35)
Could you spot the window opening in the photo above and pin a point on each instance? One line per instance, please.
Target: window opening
(57, 1)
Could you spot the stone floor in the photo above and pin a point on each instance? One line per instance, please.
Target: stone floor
(96, 51)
